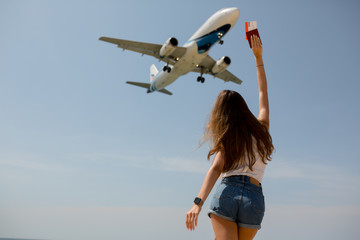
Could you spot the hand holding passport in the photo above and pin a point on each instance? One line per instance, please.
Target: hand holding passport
(251, 29)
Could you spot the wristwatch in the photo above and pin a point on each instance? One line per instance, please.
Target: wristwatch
(198, 201)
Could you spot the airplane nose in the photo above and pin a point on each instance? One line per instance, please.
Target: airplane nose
(234, 12)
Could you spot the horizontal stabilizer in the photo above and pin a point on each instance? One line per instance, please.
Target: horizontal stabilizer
(165, 91)
(139, 84)
(147, 86)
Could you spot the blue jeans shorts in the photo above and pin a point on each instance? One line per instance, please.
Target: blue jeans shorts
(238, 200)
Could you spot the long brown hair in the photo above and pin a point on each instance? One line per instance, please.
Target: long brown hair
(231, 130)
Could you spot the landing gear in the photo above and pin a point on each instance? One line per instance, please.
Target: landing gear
(220, 34)
(167, 68)
(201, 79)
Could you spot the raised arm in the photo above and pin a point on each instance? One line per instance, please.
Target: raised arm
(263, 116)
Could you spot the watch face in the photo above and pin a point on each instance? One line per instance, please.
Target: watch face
(197, 200)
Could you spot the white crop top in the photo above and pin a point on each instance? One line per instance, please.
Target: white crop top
(257, 172)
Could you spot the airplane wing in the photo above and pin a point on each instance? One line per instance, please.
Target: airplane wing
(146, 48)
(207, 64)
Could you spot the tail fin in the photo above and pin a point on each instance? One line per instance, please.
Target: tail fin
(153, 72)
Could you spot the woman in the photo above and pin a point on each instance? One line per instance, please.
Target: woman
(242, 146)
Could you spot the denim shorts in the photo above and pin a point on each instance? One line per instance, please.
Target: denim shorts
(238, 200)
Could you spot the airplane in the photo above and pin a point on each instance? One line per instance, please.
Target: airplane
(192, 57)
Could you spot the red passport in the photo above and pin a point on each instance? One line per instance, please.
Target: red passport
(251, 29)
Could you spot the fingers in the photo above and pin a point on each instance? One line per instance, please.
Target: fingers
(191, 220)
(252, 40)
(255, 41)
(256, 46)
(192, 217)
(188, 221)
(196, 218)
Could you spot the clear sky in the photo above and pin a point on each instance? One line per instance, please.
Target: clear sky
(85, 156)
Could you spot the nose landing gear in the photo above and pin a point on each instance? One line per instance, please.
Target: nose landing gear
(219, 37)
(167, 68)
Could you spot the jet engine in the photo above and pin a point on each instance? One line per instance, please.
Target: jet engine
(168, 47)
(221, 65)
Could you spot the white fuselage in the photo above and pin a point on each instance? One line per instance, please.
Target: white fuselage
(198, 46)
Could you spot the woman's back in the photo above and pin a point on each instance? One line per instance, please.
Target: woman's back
(240, 137)
(256, 171)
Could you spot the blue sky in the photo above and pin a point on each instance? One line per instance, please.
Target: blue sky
(85, 156)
